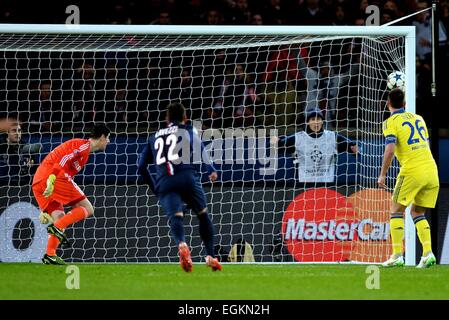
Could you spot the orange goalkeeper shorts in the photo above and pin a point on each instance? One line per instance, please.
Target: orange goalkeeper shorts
(65, 192)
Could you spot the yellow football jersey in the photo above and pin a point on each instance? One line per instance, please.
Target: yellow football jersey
(409, 132)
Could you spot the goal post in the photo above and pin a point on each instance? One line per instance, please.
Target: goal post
(241, 85)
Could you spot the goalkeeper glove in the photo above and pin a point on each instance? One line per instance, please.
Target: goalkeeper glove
(50, 185)
(45, 218)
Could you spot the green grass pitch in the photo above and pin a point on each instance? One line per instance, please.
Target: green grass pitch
(235, 282)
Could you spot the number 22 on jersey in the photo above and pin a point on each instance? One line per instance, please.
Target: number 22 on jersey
(165, 147)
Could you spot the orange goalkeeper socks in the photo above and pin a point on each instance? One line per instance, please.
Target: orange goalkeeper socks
(73, 216)
(52, 244)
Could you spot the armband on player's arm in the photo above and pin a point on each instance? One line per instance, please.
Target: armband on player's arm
(390, 139)
(50, 185)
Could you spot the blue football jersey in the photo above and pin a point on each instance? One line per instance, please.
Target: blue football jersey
(172, 150)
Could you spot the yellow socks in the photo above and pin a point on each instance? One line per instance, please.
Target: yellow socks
(397, 232)
(423, 230)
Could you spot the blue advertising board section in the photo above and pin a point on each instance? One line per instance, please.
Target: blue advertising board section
(118, 165)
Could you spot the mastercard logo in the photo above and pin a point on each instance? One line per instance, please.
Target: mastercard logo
(322, 225)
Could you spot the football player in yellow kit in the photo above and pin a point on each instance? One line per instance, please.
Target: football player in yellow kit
(417, 183)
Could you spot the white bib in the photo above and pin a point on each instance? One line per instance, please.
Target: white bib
(316, 156)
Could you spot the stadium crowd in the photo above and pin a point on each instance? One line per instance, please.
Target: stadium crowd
(53, 93)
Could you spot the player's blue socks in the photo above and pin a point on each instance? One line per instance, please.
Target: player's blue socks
(207, 233)
(177, 228)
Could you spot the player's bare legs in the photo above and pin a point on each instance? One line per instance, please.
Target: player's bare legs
(207, 236)
(423, 230)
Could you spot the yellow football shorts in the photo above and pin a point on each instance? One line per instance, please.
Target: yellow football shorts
(420, 190)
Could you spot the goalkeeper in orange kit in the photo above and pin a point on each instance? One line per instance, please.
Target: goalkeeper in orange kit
(53, 187)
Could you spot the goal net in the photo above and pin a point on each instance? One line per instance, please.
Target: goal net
(241, 86)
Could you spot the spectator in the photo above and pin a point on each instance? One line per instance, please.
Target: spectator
(328, 5)
(213, 17)
(359, 22)
(257, 19)
(445, 15)
(215, 74)
(282, 68)
(163, 18)
(423, 33)
(323, 92)
(182, 89)
(308, 13)
(392, 8)
(116, 109)
(149, 93)
(316, 149)
(361, 13)
(192, 11)
(189, 93)
(387, 16)
(347, 72)
(244, 113)
(45, 113)
(274, 13)
(237, 12)
(236, 97)
(339, 18)
(17, 160)
(6, 124)
(328, 85)
(119, 14)
(213, 118)
(84, 94)
(7, 12)
(284, 83)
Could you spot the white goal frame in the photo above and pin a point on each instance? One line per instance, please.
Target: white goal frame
(408, 32)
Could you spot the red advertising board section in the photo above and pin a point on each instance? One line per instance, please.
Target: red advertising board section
(322, 225)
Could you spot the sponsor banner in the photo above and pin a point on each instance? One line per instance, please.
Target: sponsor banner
(129, 226)
(322, 225)
(23, 237)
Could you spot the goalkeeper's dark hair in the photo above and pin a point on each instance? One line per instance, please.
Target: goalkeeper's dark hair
(99, 130)
(176, 112)
(396, 98)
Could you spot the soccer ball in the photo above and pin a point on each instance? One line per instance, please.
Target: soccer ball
(396, 80)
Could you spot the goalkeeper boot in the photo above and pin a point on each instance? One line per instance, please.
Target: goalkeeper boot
(427, 261)
(213, 263)
(394, 261)
(58, 233)
(52, 260)
(184, 257)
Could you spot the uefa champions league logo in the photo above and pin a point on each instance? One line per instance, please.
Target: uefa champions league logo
(316, 155)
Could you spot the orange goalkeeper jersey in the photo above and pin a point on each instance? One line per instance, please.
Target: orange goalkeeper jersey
(69, 157)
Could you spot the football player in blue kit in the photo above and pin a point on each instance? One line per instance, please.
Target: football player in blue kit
(177, 152)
